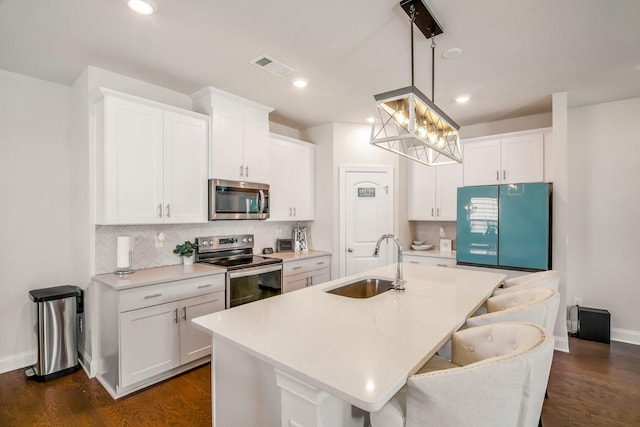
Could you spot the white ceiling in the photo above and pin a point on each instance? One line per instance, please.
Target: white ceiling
(515, 53)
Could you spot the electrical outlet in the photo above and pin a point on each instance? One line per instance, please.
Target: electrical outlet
(159, 240)
(577, 301)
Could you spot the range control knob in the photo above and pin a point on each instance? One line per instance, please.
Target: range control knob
(250, 239)
(244, 240)
(211, 242)
(204, 243)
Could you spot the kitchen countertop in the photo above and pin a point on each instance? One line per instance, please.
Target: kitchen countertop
(435, 253)
(292, 256)
(156, 275)
(359, 350)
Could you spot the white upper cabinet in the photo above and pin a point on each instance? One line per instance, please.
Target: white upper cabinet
(151, 162)
(507, 159)
(433, 191)
(186, 143)
(291, 179)
(239, 135)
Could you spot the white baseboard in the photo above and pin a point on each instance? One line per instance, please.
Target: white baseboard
(562, 343)
(88, 364)
(625, 335)
(17, 361)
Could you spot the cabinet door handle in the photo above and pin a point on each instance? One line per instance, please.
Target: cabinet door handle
(290, 211)
(431, 211)
(497, 175)
(442, 265)
(297, 268)
(504, 174)
(306, 281)
(152, 296)
(205, 286)
(246, 171)
(320, 263)
(311, 281)
(437, 211)
(175, 312)
(184, 313)
(414, 262)
(241, 171)
(294, 211)
(168, 210)
(160, 210)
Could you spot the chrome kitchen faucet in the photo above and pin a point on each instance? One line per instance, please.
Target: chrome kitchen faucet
(398, 284)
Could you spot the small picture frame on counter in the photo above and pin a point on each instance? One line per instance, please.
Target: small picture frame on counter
(284, 245)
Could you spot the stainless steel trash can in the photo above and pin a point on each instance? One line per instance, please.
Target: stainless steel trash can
(57, 311)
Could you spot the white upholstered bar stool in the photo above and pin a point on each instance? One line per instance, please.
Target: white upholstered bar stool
(542, 279)
(535, 305)
(497, 377)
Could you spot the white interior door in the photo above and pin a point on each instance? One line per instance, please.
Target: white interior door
(368, 214)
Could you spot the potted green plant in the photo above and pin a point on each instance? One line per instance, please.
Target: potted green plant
(186, 251)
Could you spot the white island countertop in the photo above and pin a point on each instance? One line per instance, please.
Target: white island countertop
(359, 350)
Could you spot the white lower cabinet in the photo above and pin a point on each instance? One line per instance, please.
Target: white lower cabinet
(427, 260)
(149, 340)
(146, 333)
(301, 273)
(194, 343)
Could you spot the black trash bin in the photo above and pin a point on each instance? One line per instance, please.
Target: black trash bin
(58, 308)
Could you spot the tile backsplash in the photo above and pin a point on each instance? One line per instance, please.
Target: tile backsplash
(146, 255)
(429, 231)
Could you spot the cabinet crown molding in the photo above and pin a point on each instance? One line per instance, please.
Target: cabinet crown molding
(214, 93)
(103, 92)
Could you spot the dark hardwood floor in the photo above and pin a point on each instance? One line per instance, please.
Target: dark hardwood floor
(594, 385)
(76, 400)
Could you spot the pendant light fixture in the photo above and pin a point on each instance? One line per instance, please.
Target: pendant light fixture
(407, 122)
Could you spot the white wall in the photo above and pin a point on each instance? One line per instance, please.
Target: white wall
(604, 169)
(556, 172)
(36, 222)
(344, 144)
(536, 121)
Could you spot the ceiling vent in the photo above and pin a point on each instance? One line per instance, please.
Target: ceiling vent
(271, 65)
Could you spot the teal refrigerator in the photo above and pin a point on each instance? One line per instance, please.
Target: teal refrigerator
(506, 226)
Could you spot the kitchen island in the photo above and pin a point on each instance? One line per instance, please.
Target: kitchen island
(311, 358)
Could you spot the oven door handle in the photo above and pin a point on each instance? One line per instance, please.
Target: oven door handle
(252, 271)
(261, 210)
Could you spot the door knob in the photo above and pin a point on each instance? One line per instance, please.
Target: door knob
(349, 250)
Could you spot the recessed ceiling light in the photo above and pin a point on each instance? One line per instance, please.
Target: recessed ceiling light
(462, 99)
(453, 53)
(140, 6)
(300, 83)
(371, 119)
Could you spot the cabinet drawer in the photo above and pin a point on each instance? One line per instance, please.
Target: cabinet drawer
(146, 296)
(423, 260)
(305, 265)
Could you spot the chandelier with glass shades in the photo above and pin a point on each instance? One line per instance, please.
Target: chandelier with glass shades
(406, 121)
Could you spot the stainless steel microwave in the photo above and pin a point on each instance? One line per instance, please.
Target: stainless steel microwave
(238, 200)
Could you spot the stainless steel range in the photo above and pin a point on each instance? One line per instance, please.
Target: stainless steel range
(249, 277)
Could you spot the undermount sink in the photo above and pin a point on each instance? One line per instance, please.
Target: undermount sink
(365, 287)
